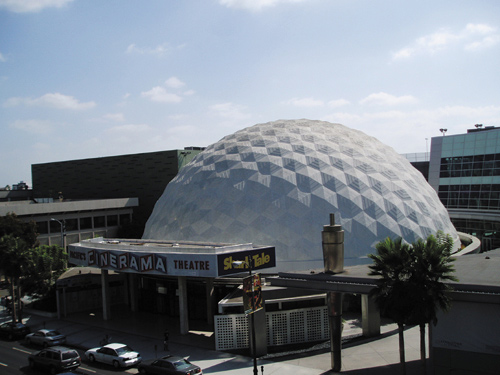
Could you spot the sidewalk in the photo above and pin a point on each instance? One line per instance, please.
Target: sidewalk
(144, 333)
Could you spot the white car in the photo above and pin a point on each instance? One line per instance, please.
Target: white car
(46, 337)
(118, 355)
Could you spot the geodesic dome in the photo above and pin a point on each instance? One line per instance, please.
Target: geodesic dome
(277, 183)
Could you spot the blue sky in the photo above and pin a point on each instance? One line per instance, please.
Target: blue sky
(86, 78)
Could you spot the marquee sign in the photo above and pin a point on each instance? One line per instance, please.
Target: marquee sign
(257, 259)
(123, 256)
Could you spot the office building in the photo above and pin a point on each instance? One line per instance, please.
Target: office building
(465, 171)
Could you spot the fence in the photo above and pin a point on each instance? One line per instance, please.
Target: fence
(282, 327)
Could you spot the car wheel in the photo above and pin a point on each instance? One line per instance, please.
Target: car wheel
(142, 371)
(53, 370)
(11, 336)
(91, 358)
(32, 363)
(116, 364)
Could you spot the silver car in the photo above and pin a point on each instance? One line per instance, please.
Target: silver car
(46, 337)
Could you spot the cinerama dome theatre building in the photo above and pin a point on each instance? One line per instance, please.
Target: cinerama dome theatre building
(275, 184)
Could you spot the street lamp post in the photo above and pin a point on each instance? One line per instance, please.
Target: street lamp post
(63, 231)
(252, 318)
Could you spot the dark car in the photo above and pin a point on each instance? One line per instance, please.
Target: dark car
(4, 284)
(169, 365)
(56, 359)
(12, 330)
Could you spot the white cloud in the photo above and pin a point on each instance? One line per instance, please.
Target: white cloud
(115, 117)
(338, 103)
(255, 5)
(60, 101)
(31, 6)
(396, 127)
(159, 94)
(33, 126)
(230, 111)
(159, 50)
(52, 100)
(472, 37)
(174, 83)
(485, 34)
(385, 99)
(305, 102)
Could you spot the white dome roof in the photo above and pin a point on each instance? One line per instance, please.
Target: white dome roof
(276, 184)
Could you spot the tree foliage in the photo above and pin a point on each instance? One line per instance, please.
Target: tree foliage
(13, 253)
(31, 269)
(431, 268)
(44, 264)
(11, 224)
(412, 282)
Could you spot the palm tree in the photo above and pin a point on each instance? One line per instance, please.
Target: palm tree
(412, 287)
(431, 268)
(393, 264)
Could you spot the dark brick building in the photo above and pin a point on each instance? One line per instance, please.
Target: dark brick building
(142, 176)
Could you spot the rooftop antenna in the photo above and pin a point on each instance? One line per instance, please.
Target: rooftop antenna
(443, 131)
(478, 126)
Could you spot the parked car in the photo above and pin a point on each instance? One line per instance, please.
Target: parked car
(4, 284)
(118, 355)
(46, 337)
(11, 330)
(169, 365)
(56, 359)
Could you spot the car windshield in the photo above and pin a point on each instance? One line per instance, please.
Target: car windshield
(69, 354)
(124, 349)
(53, 333)
(19, 325)
(181, 364)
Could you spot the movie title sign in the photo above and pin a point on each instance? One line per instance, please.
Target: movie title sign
(244, 260)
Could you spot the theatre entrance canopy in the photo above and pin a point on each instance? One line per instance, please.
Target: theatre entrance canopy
(171, 258)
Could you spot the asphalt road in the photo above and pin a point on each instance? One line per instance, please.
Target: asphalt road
(14, 357)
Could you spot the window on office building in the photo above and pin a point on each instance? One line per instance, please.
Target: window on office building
(125, 219)
(42, 227)
(112, 220)
(54, 226)
(474, 196)
(85, 223)
(470, 166)
(71, 225)
(99, 221)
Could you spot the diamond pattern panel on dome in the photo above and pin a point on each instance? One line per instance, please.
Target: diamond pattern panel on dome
(277, 183)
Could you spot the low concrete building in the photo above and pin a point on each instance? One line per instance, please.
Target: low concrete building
(159, 273)
(68, 221)
(465, 340)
